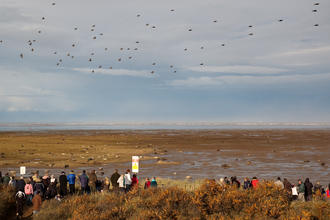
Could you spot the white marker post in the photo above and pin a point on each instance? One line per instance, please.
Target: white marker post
(135, 164)
(22, 170)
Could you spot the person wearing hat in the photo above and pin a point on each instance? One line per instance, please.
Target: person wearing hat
(92, 181)
(128, 180)
(20, 198)
(72, 180)
(83, 182)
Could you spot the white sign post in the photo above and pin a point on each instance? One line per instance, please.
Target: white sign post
(135, 164)
(22, 170)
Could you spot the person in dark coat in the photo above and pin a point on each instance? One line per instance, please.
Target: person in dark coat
(38, 187)
(92, 181)
(0, 177)
(63, 184)
(308, 190)
(20, 184)
(6, 179)
(246, 183)
(235, 183)
(317, 187)
(114, 178)
(20, 198)
(83, 182)
(46, 182)
(287, 185)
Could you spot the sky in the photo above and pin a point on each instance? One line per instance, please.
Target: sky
(181, 61)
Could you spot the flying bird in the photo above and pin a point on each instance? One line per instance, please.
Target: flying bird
(201, 64)
(174, 72)
(92, 71)
(250, 25)
(223, 45)
(137, 42)
(57, 64)
(39, 32)
(153, 26)
(152, 72)
(34, 40)
(55, 53)
(316, 3)
(32, 50)
(73, 45)
(110, 67)
(129, 57)
(138, 16)
(185, 49)
(121, 48)
(314, 11)
(128, 48)
(0, 41)
(119, 59)
(154, 64)
(92, 54)
(105, 48)
(43, 18)
(202, 48)
(172, 10)
(92, 30)
(316, 25)
(215, 21)
(94, 25)
(190, 30)
(250, 33)
(100, 66)
(101, 34)
(60, 60)
(30, 43)
(94, 37)
(135, 49)
(68, 54)
(75, 29)
(90, 60)
(171, 66)
(147, 24)
(72, 57)
(21, 55)
(53, 4)
(280, 20)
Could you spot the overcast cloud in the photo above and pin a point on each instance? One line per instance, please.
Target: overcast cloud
(180, 61)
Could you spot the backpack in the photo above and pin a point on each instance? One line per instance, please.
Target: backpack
(28, 189)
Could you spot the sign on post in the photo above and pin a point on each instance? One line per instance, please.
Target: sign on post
(22, 170)
(135, 164)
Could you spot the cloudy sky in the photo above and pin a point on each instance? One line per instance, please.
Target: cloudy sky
(222, 69)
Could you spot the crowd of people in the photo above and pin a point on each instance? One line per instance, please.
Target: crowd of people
(37, 188)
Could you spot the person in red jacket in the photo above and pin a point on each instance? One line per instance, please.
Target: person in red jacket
(135, 181)
(147, 184)
(255, 183)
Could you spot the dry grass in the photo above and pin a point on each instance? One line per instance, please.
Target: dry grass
(209, 201)
(7, 201)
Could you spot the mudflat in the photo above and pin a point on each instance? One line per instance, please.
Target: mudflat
(266, 154)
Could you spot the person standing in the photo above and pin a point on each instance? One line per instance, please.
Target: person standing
(255, 183)
(121, 182)
(21, 184)
(53, 180)
(147, 184)
(28, 189)
(114, 178)
(92, 181)
(105, 185)
(279, 183)
(72, 180)
(128, 180)
(317, 187)
(13, 183)
(153, 182)
(83, 182)
(135, 182)
(246, 183)
(20, 198)
(301, 191)
(36, 203)
(308, 190)
(6, 179)
(63, 184)
(38, 187)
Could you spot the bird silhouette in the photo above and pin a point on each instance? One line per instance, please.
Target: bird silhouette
(215, 21)
(55, 53)
(250, 25)
(280, 20)
(0, 41)
(137, 42)
(75, 29)
(174, 72)
(101, 33)
(135, 49)
(32, 49)
(57, 64)
(128, 48)
(39, 32)
(190, 30)
(68, 54)
(60, 60)
(202, 48)
(152, 72)
(250, 33)
(53, 4)
(94, 37)
(73, 45)
(21, 55)
(105, 48)
(201, 64)
(119, 59)
(153, 26)
(92, 30)
(147, 24)
(316, 3)
(94, 25)
(138, 16)
(171, 66)
(172, 10)
(129, 57)
(121, 48)
(110, 67)
(30, 43)
(43, 18)
(223, 45)
(154, 64)
(314, 11)
(316, 25)
(100, 66)
(90, 60)
(92, 54)
(34, 40)
(185, 49)
(72, 57)
(92, 71)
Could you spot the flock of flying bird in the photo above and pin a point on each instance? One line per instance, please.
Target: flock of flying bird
(30, 42)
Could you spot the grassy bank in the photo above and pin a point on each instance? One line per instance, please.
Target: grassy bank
(209, 201)
(7, 200)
